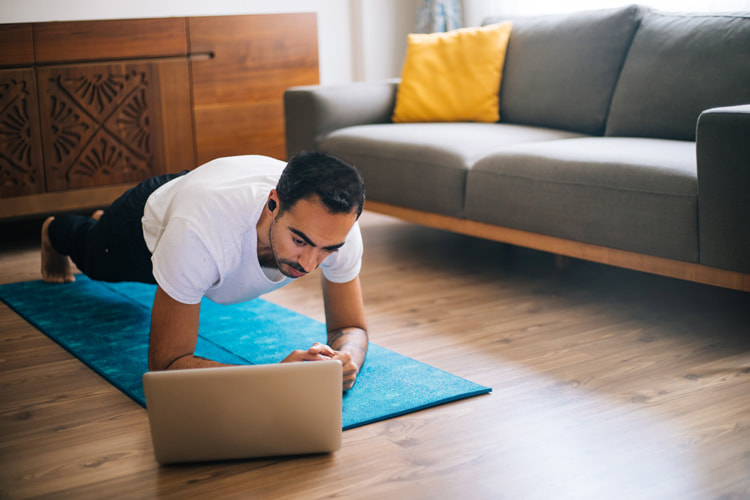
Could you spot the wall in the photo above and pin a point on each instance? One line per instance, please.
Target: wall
(383, 25)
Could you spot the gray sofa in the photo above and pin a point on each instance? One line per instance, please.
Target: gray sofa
(624, 138)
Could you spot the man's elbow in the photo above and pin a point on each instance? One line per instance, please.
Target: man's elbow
(159, 362)
(155, 365)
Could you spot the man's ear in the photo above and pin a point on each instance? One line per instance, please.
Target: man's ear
(273, 201)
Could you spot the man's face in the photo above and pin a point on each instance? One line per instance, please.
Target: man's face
(303, 236)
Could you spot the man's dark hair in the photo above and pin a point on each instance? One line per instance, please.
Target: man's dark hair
(338, 184)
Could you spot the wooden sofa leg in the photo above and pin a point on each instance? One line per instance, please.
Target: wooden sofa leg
(561, 261)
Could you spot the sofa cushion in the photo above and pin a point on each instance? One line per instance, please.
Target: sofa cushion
(631, 194)
(423, 165)
(560, 71)
(454, 76)
(678, 66)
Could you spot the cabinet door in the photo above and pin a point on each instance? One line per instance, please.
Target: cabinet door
(238, 92)
(21, 170)
(103, 123)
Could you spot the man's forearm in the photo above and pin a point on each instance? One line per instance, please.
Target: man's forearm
(352, 340)
(192, 361)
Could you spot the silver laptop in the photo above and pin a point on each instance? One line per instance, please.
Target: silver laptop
(244, 411)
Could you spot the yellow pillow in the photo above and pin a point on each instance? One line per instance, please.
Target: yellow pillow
(453, 76)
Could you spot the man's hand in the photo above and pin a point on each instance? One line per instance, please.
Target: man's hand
(318, 352)
(321, 352)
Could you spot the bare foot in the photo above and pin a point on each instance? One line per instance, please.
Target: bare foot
(56, 267)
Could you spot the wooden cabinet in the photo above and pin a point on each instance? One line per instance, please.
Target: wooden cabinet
(88, 109)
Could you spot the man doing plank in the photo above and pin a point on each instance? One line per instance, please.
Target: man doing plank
(230, 230)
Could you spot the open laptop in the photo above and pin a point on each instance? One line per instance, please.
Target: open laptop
(244, 411)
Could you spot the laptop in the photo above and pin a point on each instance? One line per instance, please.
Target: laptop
(240, 412)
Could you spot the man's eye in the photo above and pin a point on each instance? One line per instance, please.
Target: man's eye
(298, 241)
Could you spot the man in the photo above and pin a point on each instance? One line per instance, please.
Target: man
(230, 230)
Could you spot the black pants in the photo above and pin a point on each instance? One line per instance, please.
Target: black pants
(112, 249)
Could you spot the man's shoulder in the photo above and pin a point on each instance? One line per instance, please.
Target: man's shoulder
(221, 177)
(247, 163)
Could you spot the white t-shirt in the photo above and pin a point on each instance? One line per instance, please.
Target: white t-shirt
(201, 231)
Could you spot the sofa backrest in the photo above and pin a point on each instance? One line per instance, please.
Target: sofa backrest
(678, 66)
(560, 70)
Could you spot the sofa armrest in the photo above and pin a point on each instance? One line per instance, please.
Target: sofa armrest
(312, 112)
(723, 153)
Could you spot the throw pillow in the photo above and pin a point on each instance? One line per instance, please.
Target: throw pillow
(453, 76)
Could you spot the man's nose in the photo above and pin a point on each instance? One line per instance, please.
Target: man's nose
(308, 260)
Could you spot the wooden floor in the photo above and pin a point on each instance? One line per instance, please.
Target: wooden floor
(608, 384)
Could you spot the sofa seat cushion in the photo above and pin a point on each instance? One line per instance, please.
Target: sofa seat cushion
(560, 70)
(626, 193)
(678, 66)
(423, 165)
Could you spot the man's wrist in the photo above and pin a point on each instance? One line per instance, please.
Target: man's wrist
(352, 340)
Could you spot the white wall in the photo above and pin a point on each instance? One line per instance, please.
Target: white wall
(357, 39)
(381, 46)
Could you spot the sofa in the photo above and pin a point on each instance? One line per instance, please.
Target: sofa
(623, 138)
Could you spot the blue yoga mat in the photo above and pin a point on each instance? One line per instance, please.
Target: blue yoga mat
(106, 325)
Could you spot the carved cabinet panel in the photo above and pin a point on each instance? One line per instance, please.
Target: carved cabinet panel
(101, 124)
(21, 168)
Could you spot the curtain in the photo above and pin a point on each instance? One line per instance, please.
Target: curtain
(439, 15)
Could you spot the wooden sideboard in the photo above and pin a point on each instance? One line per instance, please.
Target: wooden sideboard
(89, 108)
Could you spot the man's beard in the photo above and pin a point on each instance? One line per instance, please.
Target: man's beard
(270, 260)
